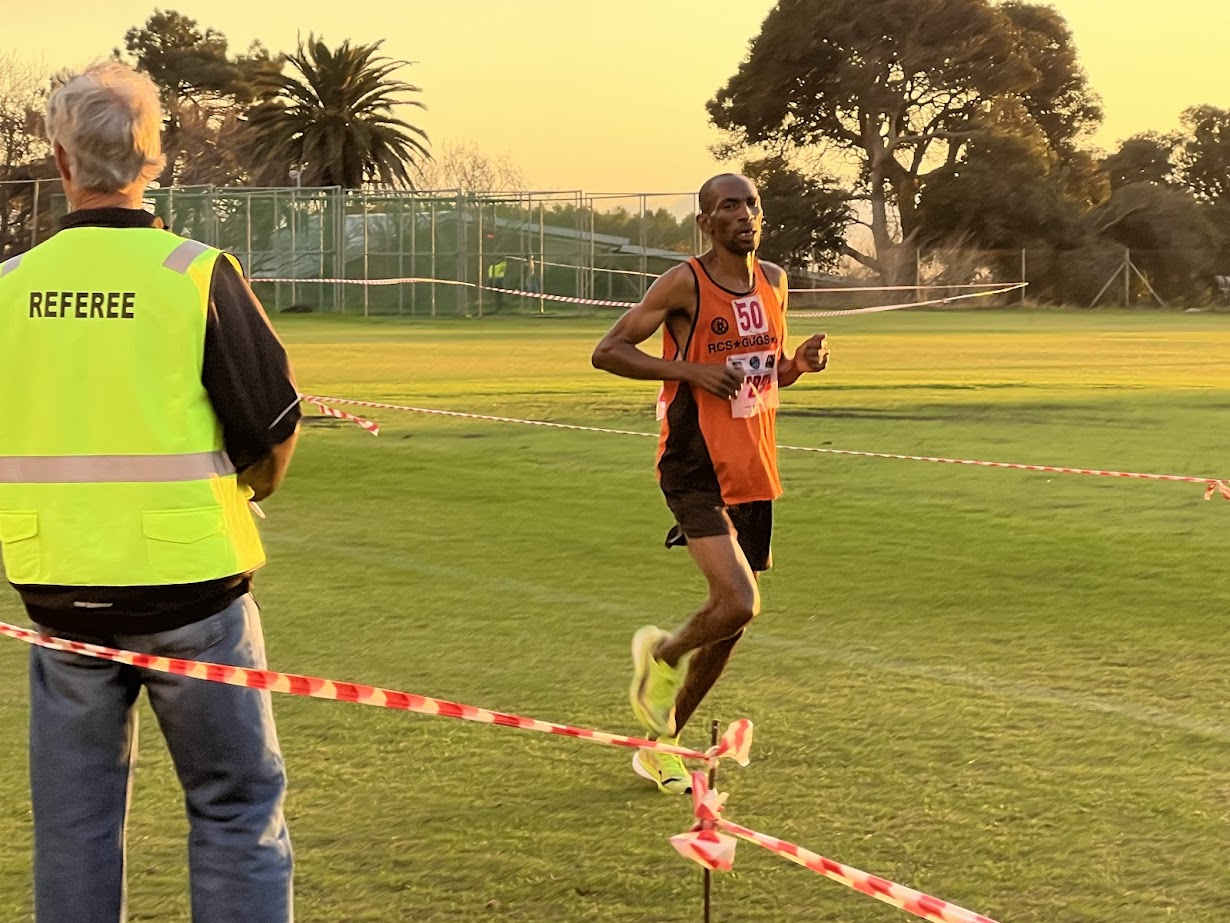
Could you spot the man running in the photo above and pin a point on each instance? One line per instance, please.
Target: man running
(722, 362)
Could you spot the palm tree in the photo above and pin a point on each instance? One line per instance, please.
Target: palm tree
(331, 118)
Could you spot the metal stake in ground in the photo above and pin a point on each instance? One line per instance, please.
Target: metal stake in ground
(708, 886)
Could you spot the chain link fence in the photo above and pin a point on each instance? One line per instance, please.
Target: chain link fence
(445, 252)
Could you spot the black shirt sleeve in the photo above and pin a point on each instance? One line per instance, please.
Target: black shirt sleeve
(246, 371)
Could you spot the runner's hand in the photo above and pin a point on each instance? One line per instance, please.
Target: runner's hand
(721, 380)
(813, 354)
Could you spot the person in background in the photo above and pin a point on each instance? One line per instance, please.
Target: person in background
(495, 280)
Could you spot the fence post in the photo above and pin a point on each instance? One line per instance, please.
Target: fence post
(214, 221)
(482, 269)
(917, 274)
(414, 252)
(698, 242)
(1024, 276)
(247, 234)
(294, 247)
(366, 265)
(320, 203)
(463, 255)
(401, 250)
(708, 879)
(433, 257)
(339, 244)
(542, 257)
(38, 184)
(644, 261)
(593, 249)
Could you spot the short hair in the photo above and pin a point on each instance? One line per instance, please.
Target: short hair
(708, 196)
(108, 120)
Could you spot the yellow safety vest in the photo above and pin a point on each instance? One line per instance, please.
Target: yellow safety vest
(113, 470)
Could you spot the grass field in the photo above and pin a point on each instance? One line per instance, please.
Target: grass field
(1006, 689)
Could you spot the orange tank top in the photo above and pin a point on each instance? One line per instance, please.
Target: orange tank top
(709, 444)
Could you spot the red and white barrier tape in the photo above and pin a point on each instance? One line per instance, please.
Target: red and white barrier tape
(714, 850)
(369, 425)
(735, 743)
(1213, 486)
(703, 844)
(315, 401)
(605, 303)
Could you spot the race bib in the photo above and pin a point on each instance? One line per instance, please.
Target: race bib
(749, 316)
(759, 389)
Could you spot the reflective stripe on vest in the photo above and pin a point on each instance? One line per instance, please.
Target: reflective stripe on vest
(113, 469)
(184, 255)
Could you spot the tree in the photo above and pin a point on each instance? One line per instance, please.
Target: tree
(462, 165)
(200, 85)
(1169, 234)
(1148, 157)
(24, 153)
(23, 93)
(1206, 153)
(1060, 102)
(1007, 194)
(1010, 193)
(805, 218)
(211, 154)
(332, 118)
(902, 87)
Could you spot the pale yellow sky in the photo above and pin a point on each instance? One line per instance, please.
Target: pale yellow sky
(607, 96)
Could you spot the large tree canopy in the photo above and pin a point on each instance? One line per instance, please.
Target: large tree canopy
(903, 86)
(200, 84)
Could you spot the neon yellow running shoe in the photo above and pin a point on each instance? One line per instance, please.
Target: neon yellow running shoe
(654, 684)
(665, 770)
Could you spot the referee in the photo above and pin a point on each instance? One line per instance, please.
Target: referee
(146, 401)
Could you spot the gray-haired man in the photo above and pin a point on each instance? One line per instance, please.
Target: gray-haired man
(147, 400)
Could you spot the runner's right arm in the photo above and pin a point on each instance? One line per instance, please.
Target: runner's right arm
(618, 352)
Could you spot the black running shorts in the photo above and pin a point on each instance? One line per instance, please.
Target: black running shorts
(702, 516)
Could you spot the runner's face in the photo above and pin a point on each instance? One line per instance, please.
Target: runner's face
(734, 222)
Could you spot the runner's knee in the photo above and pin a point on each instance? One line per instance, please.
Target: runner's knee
(738, 607)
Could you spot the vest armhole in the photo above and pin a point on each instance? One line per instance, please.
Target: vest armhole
(687, 346)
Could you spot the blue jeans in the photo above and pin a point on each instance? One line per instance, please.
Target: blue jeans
(83, 741)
